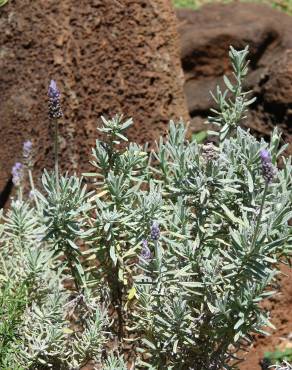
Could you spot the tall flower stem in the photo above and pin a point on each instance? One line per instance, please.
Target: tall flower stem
(74, 271)
(31, 182)
(55, 112)
(56, 152)
(20, 193)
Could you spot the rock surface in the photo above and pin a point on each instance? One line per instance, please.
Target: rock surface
(205, 39)
(108, 57)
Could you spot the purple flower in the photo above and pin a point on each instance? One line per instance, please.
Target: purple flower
(53, 91)
(27, 147)
(145, 251)
(55, 110)
(17, 173)
(155, 231)
(268, 169)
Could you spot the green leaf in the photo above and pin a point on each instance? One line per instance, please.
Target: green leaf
(200, 136)
(132, 293)
(148, 343)
(3, 2)
(229, 266)
(237, 336)
(231, 216)
(113, 254)
(212, 308)
(175, 344)
(67, 331)
(228, 83)
(121, 136)
(250, 182)
(239, 323)
(191, 284)
(249, 102)
(73, 245)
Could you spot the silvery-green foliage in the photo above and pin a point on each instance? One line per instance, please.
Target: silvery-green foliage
(42, 332)
(216, 256)
(89, 343)
(181, 244)
(284, 366)
(233, 102)
(3, 2)
(21, 225)
(115, 363)
(116, 229)
(64, 211)
(223, 231)
(25, 263)
(220, 230)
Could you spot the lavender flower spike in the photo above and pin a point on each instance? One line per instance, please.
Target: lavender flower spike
(268, 169)
(145, 251)
(155, 231)
(27, 147)
(17, 173)
(55, 110)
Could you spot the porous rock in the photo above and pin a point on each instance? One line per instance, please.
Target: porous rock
(206, 35)
(108, 57)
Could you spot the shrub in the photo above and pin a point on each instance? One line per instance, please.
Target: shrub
(166, 259)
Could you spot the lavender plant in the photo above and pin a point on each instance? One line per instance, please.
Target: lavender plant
(224, 229)
(210, 224)
(167, 259)
(47, 334)
(49, 327)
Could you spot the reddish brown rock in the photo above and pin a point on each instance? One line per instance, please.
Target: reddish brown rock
(205, 39)
(107, 57)
(278, 86)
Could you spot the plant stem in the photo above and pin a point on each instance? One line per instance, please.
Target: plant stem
(74, 274)
(33, 187)
(56, 152)
(119, 306)
(19, 193)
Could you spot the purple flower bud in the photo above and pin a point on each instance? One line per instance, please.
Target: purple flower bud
(55, 110)
(53, 91)
(155, 231)
(268, 169)
(17, 173)
(145, 251)
(27, 147)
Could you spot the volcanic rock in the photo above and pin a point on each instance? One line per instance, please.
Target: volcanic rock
(206, 36)
(108, 57)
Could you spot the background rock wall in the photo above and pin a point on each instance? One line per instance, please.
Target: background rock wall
(206, 35)
(108, 57)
